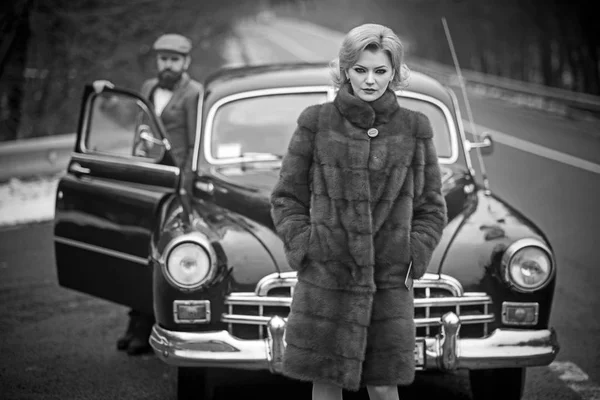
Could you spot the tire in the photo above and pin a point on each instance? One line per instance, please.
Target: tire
(193, 384)
(501, 383)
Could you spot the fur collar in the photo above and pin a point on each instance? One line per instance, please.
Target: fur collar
(362, 113)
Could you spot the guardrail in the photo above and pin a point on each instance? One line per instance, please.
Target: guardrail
(548, 97)
(539, 96)
(50, 155)
(35, 156)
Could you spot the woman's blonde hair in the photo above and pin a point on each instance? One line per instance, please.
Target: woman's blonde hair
(371, 37)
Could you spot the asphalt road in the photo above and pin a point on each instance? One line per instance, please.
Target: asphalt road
(56, 343)
(60, 344)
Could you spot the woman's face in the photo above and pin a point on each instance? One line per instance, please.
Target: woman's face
(371, 74)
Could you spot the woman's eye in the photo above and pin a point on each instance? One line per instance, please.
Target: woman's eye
(359, 70)
(381, 71)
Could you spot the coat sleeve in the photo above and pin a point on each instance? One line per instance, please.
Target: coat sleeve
(290, 199)
(429, 208)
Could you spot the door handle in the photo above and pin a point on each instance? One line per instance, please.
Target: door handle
(205, 186)
(78, 169)
(208, 187)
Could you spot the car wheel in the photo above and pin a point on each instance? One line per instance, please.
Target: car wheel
(501, 383)
(193, 384)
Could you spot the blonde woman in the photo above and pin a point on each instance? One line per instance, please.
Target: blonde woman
(359, 208)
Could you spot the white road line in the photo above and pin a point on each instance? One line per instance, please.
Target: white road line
(577, 380)
(289, 44)
(537, 149)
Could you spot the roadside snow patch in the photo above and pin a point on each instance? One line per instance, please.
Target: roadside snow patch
(26, 201)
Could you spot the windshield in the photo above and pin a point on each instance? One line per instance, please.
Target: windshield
(260, 127)
(443, 134)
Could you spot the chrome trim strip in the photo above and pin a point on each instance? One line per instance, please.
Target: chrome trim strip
(507, 304)
(101, 250)
(275, 280)
(419, 322)
(288, 279)
(449, 120)
(125, 162)
(453, 301)
(464, 319)
(245, 95)
(198, 136)
(250, 299)
(513, 249)
(241, 294)
(503, 348)
(177, 303)
(246, 319)
(84, 127)
(461, 131)
(440, 281)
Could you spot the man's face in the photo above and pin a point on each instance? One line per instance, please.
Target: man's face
(170, 67)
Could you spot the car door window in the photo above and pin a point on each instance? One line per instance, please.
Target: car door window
(120, 125)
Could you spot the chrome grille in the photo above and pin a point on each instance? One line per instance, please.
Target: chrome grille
(249, 312)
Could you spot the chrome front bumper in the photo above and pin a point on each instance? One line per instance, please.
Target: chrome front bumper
(503, 348)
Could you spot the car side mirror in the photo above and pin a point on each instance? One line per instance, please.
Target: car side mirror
(486, 145)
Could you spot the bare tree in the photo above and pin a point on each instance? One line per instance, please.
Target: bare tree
(14, 30)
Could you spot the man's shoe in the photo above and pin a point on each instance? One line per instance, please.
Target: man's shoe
(138, 346)
(123, 341)
(142, 329)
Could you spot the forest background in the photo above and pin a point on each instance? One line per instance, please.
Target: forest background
(49, 49)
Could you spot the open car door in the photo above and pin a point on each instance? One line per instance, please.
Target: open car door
(107, 203)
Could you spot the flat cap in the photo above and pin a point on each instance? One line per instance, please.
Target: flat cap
(173, 42)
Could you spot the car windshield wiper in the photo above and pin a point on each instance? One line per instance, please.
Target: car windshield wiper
(256, 156)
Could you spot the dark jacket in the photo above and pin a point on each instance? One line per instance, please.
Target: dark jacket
(352, 212)
(180, 115)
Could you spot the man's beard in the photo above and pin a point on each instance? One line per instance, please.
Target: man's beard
(167, 79)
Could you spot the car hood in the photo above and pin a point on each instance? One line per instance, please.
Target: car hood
(248, 191)
(482, 233)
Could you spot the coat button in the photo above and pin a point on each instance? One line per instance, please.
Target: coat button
(373, 132)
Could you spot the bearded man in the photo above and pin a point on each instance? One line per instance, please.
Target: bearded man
(175, 98)
(174, 94)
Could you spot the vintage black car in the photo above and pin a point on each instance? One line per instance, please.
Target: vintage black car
(199, 250)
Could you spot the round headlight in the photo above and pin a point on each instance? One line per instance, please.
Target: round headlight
(528, 266)
(188, 265)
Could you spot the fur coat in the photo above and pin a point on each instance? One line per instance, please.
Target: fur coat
(352, 212)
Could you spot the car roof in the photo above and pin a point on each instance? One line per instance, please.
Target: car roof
(229, 81)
